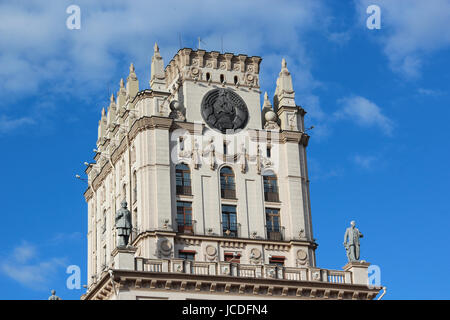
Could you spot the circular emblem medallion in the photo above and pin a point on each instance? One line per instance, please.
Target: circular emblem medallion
(224, 110)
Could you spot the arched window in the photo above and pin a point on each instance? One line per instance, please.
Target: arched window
(134, 186)
(227, 183)
(183, 179)
(270, 187)
(104, 221)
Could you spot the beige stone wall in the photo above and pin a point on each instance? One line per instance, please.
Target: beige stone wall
(138, 136)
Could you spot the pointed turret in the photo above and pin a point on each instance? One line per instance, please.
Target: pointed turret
(121, 94)
(132, 83)
(102, 124)
(158, 76)
(111, 111)
(284, 93)
(284, 100)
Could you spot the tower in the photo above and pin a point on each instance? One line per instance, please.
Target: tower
(217, 187)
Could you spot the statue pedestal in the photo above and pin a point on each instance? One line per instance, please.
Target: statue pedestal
(359, 270)
(123, 258)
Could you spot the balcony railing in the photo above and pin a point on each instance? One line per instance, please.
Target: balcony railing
(275, 233)
(184, 190)
(271, 196)
(243, 270)
(230, 230)
(185, 226)
(228, 191)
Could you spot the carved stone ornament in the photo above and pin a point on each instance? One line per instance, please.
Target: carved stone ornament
(165, 247)
(211, 252)
(223, 109)
(255, 256)
(255, 253)
(301, 257)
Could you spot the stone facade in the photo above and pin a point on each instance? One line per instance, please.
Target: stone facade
(238, 208)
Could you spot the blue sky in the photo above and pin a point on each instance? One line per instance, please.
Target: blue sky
(378, 99)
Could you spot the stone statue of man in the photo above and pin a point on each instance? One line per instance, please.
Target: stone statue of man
(351, 242)
(123, 225)
(54, 296)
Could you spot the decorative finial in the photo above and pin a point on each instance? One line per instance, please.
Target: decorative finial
(111, 99)
(132, 75)
(122, 83)
(156, 48)
(103, 112)
(267, 103)
(283, 63)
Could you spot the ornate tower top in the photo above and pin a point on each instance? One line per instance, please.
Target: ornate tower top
(200, 65)
(158, 77)
(284, 92)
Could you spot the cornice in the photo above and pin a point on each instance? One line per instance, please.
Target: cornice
(225, 285)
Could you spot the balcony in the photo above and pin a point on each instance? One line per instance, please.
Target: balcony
(243, 270)
(271, 196)
(275, 233)
(184, 190)
(228, 191)
(230, 230)
(185, 226)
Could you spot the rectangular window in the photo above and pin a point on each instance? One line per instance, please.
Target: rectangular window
(277, 260)
(183, 179)
(184, 217)
(229, 221)
(273, 224)
(231, 257)
(270, 188)
(186, 254)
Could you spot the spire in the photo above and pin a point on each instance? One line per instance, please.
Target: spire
(284, 92)
(111, 110)
(121, 94)
(158, 75)
(132, 83)
(132, 74)
(267, 104)
(102, 126)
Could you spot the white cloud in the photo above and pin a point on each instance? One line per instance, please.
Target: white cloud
(429, 92)
(365, 162)
(38, 47)
(410, 31)
(7, 124)
(364, 112)
(24, 267)
(39, 55)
